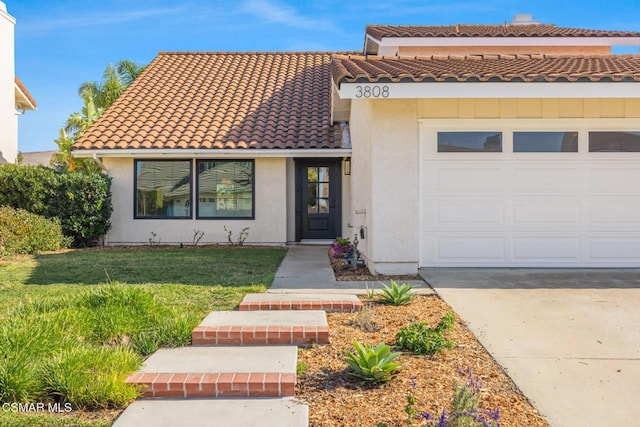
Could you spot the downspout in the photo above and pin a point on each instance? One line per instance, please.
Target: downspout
(99, 162)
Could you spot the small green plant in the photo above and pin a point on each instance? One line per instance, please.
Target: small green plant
(419, 338)
(372, 364)
(464, 410)
(397, 294)
(301, 368)
(371, 292)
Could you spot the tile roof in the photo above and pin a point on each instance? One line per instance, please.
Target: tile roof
(25, 92)
(463, 30)
(483, 68)
(204, 100)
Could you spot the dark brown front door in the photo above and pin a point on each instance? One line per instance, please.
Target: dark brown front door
(318, 195)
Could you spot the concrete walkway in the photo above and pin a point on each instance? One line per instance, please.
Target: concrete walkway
(570, 339)
(306, 269)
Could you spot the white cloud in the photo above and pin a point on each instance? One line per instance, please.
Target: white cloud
(285, 15)
(91, 20)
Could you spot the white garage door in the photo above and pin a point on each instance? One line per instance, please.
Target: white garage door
(512, 196)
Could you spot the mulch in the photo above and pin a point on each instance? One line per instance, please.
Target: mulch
(337, 399)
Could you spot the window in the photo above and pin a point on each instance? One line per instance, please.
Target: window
(162, 189)
(545, 142)
(469, 142)
(614, 141)
(225, 189)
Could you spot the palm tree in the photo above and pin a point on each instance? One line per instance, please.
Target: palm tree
(96, 97)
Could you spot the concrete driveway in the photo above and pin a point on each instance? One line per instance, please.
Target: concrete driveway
(570, 339)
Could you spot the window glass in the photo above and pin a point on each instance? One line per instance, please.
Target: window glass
(614, 141)
(225, 188)
(163, 189)
(468, 142)
(545, 142)
(317, 190)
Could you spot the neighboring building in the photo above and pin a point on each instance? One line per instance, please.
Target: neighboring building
(464, 145)
(35, 158)
(14, 97)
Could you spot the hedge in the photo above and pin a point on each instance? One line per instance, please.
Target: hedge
(23, 232)
(81, 201)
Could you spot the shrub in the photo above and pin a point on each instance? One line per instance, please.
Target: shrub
(366, 319)
(397, 294)
(372, 364)
(26, 187)
(22, 232)
(82, 202)
(419, 338)
(340, 247)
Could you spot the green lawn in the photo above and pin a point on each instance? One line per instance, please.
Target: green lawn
(73, 325)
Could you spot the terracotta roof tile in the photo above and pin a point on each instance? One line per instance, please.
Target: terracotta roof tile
(464, 30)
(222, 100)
(483, 68)
(24, 90)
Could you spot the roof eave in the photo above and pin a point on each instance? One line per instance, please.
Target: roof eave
(23, 99)
(507, 41)
(489, 90)
(214, 153)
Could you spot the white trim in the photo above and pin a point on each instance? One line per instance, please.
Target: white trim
(212, 153)
(508, 41)
(5, 14)
(23, 98)
(412, 90)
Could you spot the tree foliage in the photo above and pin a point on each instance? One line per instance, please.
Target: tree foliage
(97, 97)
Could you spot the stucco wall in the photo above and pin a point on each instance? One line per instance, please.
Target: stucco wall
(394, 193)
(8, 117)
(385, 162)
(360, 212)
(268, 227)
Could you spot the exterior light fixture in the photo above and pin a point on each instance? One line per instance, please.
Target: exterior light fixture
(347, 166)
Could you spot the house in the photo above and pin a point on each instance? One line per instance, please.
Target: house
(441, 146)
(15, 99)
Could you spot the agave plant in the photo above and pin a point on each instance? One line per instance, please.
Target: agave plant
(397, 294)
(373, 364)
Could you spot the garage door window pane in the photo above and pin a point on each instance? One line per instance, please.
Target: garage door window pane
(614, 142)
(469, 142)
(545, 142)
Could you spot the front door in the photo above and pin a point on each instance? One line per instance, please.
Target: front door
(318, 195)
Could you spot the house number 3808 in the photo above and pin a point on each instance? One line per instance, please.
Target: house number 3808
(370, 91)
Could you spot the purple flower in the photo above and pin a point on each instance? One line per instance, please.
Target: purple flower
(425, 416)
(442, 422)
(414, 384)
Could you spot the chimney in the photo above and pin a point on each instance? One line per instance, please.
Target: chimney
(524, 19)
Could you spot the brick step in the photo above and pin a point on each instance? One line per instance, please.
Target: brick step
(218, 372)
(324, 302)
(262, 328)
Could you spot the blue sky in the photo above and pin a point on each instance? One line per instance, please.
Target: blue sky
(60, 44)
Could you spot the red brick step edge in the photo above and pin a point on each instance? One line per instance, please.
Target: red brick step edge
(260, 335)
(349, 306)
(194, 385)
